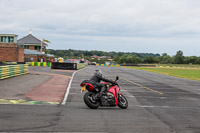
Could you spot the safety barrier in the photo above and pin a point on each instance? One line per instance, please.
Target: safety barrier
(45, 64)
(108, 65)
(140, 65)
(64, 66)
(13, 70)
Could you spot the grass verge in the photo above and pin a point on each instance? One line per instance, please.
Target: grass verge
(187, 73)
(81, 65)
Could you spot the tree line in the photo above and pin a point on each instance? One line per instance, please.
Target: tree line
(179, 58)
(127, 57)
(70, 53)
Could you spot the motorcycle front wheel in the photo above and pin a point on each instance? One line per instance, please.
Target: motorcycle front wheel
(122, 102)
(90, 101)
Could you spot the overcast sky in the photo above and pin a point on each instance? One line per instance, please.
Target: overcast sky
(143, 26)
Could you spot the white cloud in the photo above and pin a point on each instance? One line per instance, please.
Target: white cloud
(140, 24)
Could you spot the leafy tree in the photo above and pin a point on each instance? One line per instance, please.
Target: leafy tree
(178, 58)
(165, 59)
(148, 59)
(123, 59)
(116, 59)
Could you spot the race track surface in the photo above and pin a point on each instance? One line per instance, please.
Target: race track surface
(157, 104)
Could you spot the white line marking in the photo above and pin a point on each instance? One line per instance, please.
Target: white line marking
(73, 93)
(146, 106)
(69, 86)
(123, 90)
(131, 96)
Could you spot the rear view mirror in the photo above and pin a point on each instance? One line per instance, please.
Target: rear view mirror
(117, 78)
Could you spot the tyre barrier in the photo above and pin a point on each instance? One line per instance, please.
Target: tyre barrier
(13, 70)
(44, 64)
(108, 65)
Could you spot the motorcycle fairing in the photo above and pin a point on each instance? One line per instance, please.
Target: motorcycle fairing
(104, 82)
(89, 86)
(115, 91)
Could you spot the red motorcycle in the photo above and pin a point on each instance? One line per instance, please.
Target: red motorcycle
(112, 97)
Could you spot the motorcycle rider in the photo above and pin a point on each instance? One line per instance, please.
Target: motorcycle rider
(97, 78)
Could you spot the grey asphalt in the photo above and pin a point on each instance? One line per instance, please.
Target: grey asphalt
(15, 87)
(157, 104)
(49, 70)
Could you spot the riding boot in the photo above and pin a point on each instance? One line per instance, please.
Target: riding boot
(103, 90)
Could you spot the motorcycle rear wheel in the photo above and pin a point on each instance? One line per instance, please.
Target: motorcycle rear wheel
(89, 101)
(122, 102)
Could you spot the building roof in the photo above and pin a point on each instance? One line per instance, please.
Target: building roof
(9, 35)
(30, 39)
(32, 52)
(50, 55)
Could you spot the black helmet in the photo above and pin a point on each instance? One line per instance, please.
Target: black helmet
(98, 73)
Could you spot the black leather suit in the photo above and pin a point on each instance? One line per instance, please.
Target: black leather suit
(96, 79)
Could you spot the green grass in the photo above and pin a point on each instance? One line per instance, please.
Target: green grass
(81, 65)
(187, 73)
(179, 65)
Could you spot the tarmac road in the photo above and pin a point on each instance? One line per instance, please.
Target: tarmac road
(40, 85)
(157, 104)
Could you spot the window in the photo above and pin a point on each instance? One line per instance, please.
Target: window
(26, 47)
(37, 47)
(10, 39)
(4, 39)
(1, 40)
(7, 39)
